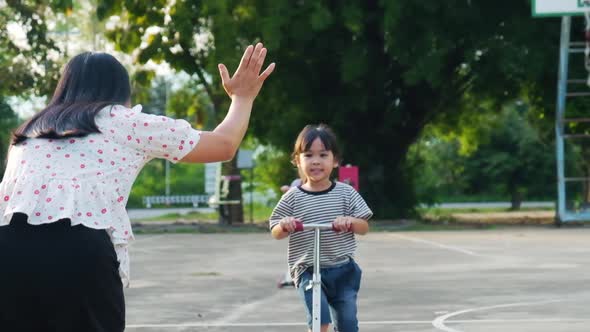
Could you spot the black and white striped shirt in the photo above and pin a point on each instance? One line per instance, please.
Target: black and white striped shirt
(320, 207)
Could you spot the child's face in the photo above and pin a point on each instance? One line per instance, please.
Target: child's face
(317, 163)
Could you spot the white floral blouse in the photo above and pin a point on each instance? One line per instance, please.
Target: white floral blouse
(88, 179)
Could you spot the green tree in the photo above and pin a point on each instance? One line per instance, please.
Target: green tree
(376, 71)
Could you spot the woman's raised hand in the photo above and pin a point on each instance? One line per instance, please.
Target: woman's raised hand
(247, 80)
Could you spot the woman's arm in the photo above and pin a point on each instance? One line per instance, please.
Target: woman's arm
(222, 143)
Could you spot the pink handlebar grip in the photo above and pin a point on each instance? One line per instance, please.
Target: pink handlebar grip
(298, 226)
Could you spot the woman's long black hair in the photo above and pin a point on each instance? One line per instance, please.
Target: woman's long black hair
(90, 81)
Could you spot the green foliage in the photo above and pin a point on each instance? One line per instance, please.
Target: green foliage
(376, 71)
(509, 161)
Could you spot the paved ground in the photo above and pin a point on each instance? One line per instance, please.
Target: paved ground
(515, 279)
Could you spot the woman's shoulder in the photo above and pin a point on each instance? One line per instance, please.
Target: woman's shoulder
(117, 111)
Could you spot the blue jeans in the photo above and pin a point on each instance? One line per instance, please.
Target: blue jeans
(340, 285)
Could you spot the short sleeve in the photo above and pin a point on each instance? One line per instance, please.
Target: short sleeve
(358, 207)
(155, 135)
(283, 209)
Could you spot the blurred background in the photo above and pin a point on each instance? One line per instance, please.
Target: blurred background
(435, 102)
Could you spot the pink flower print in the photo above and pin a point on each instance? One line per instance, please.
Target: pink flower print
(112, 131)
(150, 138)
(72, 141)
(112, 115)
(137, 140)
(59, 148)
(53, 174)
(106, 140)
(67, 155)
(126, 232)
(182, 142)
(180, 147)
(82, 155)
(6, 198)
(123, 158)
(48, 200)
(48, 167)
(191, 142)
(37, 146)
(44, 186)
(166, 155)
(61, 208)
(74, 179)
(91, 141)
(145, 124)
(165, 146)
(115, 150)
(113, 163)
(23, 162)
(172, 129)
(120, 169)
(50, 217)
(19, 192)
(37, 214)
(77, 186)
(103, 211)
(79, 214)
(60, 186)
(36, 192)
(89, 214)
(100, 160)
(99, 151)
(48, 155)
(82, 166)
(175, 159)
(134, 125)
(129, 137)
(120, 199)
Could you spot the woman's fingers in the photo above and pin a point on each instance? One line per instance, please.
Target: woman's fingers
(267, 72)
(260, 61)
(255, 56)
(223, 73)
(246, 58)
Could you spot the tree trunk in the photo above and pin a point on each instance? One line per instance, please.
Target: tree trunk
(232, 213)
(515, 197)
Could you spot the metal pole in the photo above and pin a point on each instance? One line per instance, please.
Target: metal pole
(167, 177)
(317, 284)
(561, 99)
(251, 195)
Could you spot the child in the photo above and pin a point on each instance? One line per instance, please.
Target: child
(64, 230)
(321, 200)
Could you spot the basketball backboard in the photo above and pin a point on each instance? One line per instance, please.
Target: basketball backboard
(560, 7)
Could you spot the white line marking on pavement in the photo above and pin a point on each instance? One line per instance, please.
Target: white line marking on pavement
(385, 322)
(439, 322)
(436, 244)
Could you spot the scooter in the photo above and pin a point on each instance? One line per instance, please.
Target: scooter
(316, 282)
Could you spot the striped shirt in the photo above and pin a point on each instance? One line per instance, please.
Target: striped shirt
(320, 207)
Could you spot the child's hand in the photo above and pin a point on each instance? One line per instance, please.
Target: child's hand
(246, 81)
(343, 224)
(288, 224)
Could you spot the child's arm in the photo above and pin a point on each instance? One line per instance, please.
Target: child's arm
(351, 224)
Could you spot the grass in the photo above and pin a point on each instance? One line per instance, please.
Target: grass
(261, 214)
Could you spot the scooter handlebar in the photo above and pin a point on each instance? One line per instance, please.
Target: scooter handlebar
(300, 227)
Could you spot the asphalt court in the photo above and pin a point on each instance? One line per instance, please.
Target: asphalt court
(510, 279)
